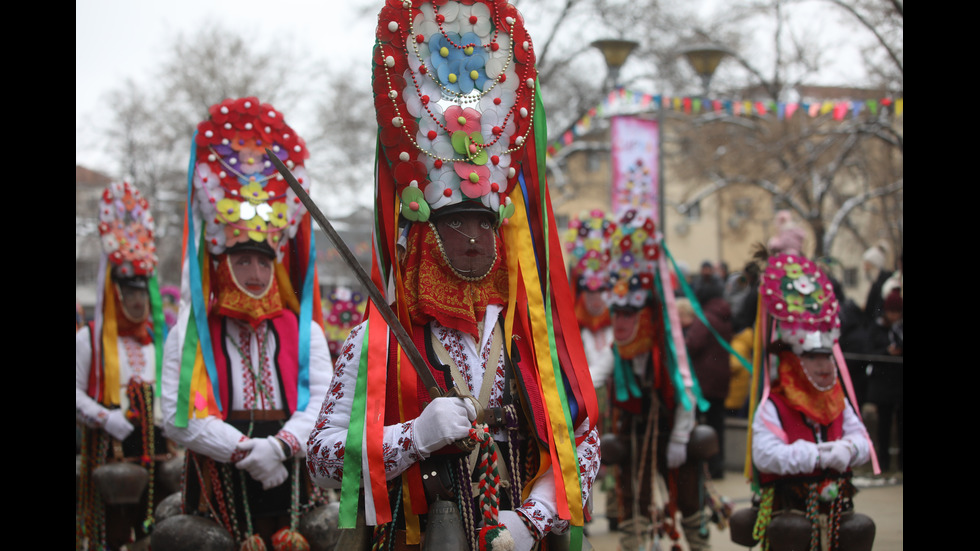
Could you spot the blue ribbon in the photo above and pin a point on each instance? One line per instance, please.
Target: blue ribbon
(197, 287)
(305, 326)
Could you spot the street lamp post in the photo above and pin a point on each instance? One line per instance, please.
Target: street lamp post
(614, 51)
(704, 59)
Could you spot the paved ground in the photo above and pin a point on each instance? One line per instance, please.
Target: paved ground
(881, 498)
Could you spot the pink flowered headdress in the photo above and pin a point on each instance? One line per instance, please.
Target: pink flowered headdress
(800, 299)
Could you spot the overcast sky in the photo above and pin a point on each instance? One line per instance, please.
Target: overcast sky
(120, 39)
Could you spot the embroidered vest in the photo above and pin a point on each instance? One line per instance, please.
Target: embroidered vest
(528, 389)
(285, 332)
(796, 428)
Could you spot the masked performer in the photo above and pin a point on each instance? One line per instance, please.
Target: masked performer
(806, 432)
(247, 363)
(468, 255)
(654, 395)
(117, 363)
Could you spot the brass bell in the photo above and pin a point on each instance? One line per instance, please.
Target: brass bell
(319, 526)
(120, 483)
(444, 530)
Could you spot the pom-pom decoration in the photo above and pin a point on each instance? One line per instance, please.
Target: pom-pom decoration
(126, 230)
(496, 538)
(289, 540)
(239, 194)
(253, 543)
(454, 86)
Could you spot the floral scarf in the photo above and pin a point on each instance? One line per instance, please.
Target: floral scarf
(434, 292)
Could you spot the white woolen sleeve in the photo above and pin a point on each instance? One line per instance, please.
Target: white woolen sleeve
(541, 507)
(770, 454)
(856, 433)
(209, 436)
(328, 439)
(87, 411)
(599, 353)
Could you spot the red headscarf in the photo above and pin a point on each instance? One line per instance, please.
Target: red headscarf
(434, 292)
(236, 303)
(821, 406)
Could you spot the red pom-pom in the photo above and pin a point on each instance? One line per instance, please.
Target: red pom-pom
(289, 540)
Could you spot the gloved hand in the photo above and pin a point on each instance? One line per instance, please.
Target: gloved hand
(264, 461)
(523, 540)
(442, 422)
(117, 425)
(676, 454)
(835, 455)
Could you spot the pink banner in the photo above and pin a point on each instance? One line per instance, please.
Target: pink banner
(636, 166)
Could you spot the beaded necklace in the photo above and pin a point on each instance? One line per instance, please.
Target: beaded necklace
(261, 391)
(445, 257)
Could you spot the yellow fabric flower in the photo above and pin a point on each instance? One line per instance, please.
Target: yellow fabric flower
(228, 210)
(254, 193)
(256, 229)
(280, 215)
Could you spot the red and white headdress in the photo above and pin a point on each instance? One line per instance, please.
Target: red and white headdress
(239, 194)
(126, 229)
(454, 86)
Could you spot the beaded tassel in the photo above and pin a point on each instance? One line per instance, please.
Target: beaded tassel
(812, 512)
(289, 539)
(764, 517)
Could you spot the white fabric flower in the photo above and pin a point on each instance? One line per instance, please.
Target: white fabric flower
(482, 26)
(413, 100)
(440, 180)
(498, 59)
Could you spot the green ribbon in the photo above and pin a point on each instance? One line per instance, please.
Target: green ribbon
(159, 329)
(672, 364)
(624, 380)
(351, 482)
(696, 306)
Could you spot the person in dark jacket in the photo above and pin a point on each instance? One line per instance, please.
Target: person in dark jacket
(710, 360)
(885, 381)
